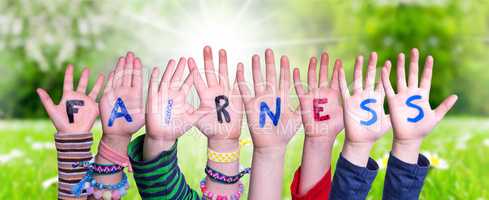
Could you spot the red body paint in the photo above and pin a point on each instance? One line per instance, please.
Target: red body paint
(318, 107)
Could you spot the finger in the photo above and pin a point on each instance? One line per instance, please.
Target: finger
(334, 80)
(153, 82)
(223, 69)
(257, 76)
(68, 82)
(343, 85)
(165, 79)
(413, 69)
(284, 84)
(311, 74)
(187, 84)
(128, 70)
(371, 69)
(380, 89)
(270, 69)
(119, 72)
(445, 106)
(137, 74)
(177, 76)
(97, 87)
(210, 74)
(83, 82)
(199, 83)
(401, 74)
(299, 88)
(357, 76)
(323, 70)
(46, 100)
(386, 83)
(243, 87)
(427, 73)
(108, 86)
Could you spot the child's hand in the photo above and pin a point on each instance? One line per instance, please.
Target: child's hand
(221, 107)
(271, 121)
(411, 114)
(168, 116)
(365, 119)
(77, 111)
(121, 106)
(321, 111)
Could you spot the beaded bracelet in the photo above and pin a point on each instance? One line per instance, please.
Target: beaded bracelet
(224, 179)
(106, 191)
(207, 195)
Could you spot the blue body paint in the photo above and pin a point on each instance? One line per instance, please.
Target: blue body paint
(119, 104)
(169, 108)
(412, 105)
(363, 105)
(265, 110)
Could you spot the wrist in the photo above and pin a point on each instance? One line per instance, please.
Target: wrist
(406, 150)
(357, 153)
(154, 146)
(319, 142)
(118, 143)
(223, 145)
(269, 152)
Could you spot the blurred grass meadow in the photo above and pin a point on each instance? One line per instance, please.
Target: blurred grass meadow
(458, 150)
(39, 38)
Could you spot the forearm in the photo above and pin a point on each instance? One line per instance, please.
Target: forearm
(119, 145)
(266, 177)
(357, 153)
(72, 148)
(227, 168)
(158, 177)
(316, 159)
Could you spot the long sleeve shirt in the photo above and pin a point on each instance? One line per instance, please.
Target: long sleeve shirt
(159, 178)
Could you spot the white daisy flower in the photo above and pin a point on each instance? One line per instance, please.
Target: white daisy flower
(383, 161)
(436, 161)
(14, 153)
(50, 181)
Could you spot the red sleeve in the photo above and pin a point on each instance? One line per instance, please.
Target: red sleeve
(319, 191)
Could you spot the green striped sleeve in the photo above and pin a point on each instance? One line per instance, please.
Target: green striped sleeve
(159, 178)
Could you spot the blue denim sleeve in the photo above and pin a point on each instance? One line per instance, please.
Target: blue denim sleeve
(351, 181)
(403, 181)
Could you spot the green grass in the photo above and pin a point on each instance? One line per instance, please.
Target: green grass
(467, 175)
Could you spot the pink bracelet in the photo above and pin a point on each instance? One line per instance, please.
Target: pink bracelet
(106, 152)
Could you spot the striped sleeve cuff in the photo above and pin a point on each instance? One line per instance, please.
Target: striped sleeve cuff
(160, 177)
(72, 148)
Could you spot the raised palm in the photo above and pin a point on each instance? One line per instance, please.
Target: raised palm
(321, 110)
(168, 115)
(221, 107)
(411, 114)
(269, 133)
(123, 91)
(365, 119)
(83, 111)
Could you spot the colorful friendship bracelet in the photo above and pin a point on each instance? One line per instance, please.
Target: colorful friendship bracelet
(222, 157)
(106, 152)
(99, 190)
(224, 179)
(228, 156)
(100, 169)
(207, 195)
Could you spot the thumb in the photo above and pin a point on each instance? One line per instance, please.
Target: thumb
(445, 106)
(46, 101)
